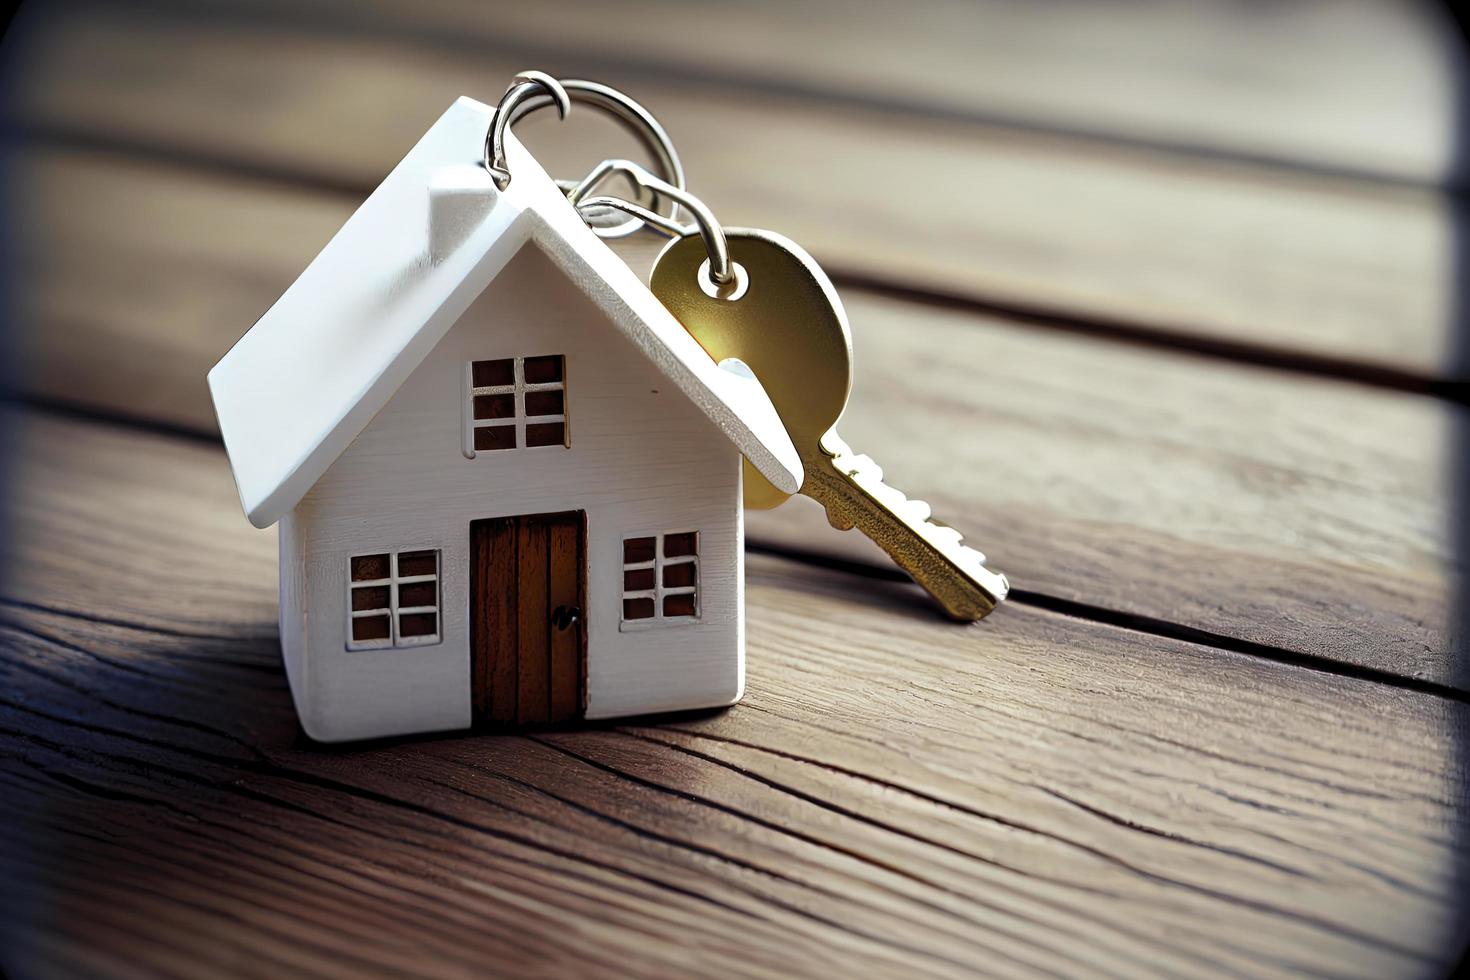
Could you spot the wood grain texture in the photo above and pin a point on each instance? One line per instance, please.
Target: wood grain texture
(1349, 85)
(533, 645)
(567, 594)
(1190, 250)
(897, 796)
(493, 621)
(1307, 515)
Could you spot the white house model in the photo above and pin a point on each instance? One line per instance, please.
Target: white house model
(507, 480)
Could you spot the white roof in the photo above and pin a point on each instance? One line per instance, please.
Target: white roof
(297, 389)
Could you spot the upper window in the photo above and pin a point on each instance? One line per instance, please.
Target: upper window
(516, 403)
(393, 600)
(661, 578)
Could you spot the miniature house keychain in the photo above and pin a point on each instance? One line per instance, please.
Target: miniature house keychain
(507, 480)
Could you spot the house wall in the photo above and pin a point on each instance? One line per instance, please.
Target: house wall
(293, 605)
(642, 460)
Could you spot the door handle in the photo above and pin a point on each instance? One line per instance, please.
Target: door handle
(562, 617)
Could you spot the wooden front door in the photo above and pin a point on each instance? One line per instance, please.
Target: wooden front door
(528, 640)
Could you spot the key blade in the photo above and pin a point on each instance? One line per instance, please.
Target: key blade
(851, 489)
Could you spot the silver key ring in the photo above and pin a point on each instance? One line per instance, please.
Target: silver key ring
(533, 90)
(723, 273)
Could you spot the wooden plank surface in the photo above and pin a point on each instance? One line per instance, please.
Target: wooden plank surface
(1346, 85)
(494, 619)
(533, 646)
(897, 796)
(1068, 788)
(1306, 515)
(1190, 250)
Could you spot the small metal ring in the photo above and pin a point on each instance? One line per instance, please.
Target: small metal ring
(731, 291)
(647, 216)
(630, 114)
(523, 87)
(721, 271)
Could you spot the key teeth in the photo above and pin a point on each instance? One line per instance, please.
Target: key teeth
(920, 511)
(947, 533)
(855, 466)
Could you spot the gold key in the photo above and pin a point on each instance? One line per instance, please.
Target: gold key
(782, 317)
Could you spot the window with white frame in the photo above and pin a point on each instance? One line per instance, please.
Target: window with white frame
(516, 403)
(393, 600)
(661, 578)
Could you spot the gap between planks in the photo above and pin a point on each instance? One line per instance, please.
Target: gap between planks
(1087, 612)
(1136, 623)
(1179, 338)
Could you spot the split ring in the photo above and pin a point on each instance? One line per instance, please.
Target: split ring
(721, 269)
(534, 90)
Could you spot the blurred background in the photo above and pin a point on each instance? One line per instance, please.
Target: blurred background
(1163, 303)
(1168, 169)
